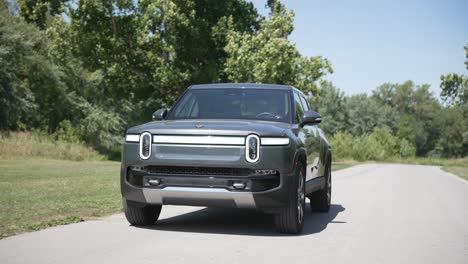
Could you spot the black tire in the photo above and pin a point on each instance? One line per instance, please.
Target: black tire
(320, 200)
(291, 219)
(142, 215)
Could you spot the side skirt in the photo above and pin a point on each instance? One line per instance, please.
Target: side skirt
(314, 185)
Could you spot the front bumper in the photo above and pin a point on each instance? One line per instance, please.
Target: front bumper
(205, 195)
(212, 191)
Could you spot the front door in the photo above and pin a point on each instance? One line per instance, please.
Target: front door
(310, 137)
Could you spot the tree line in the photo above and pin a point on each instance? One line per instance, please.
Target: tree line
(86, 70)
(395, 121)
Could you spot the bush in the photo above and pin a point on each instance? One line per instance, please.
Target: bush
(39, 144)
(366, 148)
(102, 130)
(341, 145)
(67, 132)
(378, 145)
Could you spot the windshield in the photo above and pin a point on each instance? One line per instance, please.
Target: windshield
(225, 103)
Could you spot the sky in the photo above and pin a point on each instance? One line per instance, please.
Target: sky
(371, 42)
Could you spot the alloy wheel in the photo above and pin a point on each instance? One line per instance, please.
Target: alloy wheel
(329, 187)
(300, 198)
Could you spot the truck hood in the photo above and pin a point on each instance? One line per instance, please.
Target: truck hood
(212, 127)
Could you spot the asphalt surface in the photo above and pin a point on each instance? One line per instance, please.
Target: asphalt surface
(379, 214)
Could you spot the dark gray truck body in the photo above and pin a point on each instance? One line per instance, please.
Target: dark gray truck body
(202, 162)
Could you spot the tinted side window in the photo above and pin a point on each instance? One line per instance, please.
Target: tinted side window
(305, 105)
(190, 107)
(299, 108)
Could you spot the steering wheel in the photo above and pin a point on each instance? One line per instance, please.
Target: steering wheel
(267, 115)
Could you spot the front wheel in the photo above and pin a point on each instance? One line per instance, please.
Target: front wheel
(320, 200)
(291, 219)
(141, 214)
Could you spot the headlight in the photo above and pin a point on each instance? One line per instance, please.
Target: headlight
(275, 141)
(145, 145)
(252, 148)
(132, 138)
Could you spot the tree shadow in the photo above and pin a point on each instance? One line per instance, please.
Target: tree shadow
(241, 222)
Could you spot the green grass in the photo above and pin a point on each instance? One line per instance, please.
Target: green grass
(463, 162)
(457, 170)
(39, 193)
(458, 167)
(340, 165)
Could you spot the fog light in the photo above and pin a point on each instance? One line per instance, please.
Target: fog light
(239, 185)
(154, 182)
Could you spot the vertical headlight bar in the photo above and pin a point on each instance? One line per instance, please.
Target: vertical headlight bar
(145, 145)
(252, 148)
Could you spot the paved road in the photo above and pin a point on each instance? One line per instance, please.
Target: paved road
(380, 214)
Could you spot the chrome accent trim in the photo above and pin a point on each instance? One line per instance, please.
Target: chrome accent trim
(241, 199)
(207, 140)
(132, 138)
(247, 156)
(274, 141)
(196, 189)
(199, 146)
(141, 145)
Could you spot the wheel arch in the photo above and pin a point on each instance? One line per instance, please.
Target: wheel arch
(300, 157)
(328, 158)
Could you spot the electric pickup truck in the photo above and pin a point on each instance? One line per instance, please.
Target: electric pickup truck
(236, 145)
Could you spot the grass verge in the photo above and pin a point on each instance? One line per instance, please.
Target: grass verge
(457, 170)
(340, 165)
(39, 193)
(36, 144)
(458, 167)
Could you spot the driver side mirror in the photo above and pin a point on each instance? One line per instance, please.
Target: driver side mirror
(159, 114)
(311, 118)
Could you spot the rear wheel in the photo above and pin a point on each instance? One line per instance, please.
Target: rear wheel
(291, 219)
(320, 200)
(141, 214)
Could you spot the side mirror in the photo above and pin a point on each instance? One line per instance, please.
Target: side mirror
(159, 114)
(311, 118)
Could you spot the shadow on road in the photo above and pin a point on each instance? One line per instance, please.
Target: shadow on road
(241, 222)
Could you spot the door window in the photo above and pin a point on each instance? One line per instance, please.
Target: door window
(299, 108)
(305, 105)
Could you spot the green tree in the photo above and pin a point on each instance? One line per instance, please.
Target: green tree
(267, 56)
(200, 51)
(365, 114)
(330, 102)
(414, 111)
(453, 139)
(38, 11)
(453, 121)
(146, 52)
(455, 86)
(31, 88)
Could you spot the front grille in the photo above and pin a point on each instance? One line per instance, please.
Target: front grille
(202, 171)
